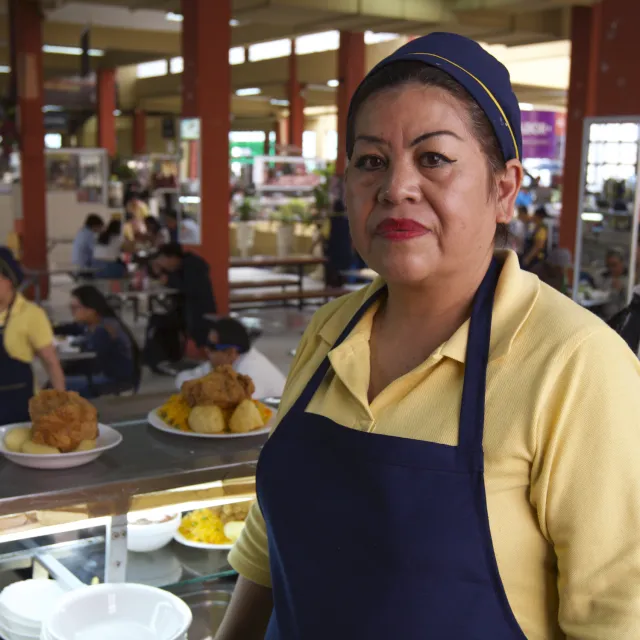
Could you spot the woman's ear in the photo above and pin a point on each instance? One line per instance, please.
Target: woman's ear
(508, 186)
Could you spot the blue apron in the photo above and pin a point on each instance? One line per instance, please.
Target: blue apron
(16, 383)
(377, 537)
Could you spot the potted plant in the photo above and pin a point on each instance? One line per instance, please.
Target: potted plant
(286, 216)
(245, 232)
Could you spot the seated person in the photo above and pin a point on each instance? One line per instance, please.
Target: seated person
(157, 235)
(116, 366)
(615, 280)
(107, 250)
(85, 240)
(25, 333)
(228, 343)
(189, 274)
(535, 249)
(554, 271)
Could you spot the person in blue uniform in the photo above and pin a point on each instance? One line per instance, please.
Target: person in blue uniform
(455, 455)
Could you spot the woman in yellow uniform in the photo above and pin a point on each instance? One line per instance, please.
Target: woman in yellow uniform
(456, 456)
(25, 332)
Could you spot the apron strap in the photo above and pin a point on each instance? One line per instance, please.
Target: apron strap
(472, 407)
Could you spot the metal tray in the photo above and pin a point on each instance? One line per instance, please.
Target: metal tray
(208, 601)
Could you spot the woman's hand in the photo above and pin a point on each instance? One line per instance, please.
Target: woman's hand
(49, 357)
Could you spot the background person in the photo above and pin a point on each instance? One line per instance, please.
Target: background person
(228, 342)
(85, 240)
(157, 235)
(519, 230)
(456, 452)
(536, 246)
(107, 251)
(25, 334)
(117, 363)
(615, 280)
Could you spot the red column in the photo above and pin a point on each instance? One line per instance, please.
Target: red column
(106, 107)
(351, 71)
(267, 145)
(26, 43)
(283, 137)
(139, 132)
(296, 102)
(206, 89)
(582, 95)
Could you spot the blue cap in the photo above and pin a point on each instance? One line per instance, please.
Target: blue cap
(482, 75)
(9, 267)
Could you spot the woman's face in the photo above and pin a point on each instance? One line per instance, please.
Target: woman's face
(6, 289)
(417, 186)
(615, 266)
(81, 314)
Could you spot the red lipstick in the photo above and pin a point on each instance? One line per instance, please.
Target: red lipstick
(400, 229)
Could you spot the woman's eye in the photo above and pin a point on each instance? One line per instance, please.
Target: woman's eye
(434, 160)
(370, 163)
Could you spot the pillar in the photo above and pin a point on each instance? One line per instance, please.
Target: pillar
(351, 71)
(206, 89)
(266, 147)
(106, 108)
(139, 132)
(296, 102)
(26, 45)
(282, 134)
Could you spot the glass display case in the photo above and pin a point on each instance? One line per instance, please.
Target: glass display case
(606, 256)
(83, 171)
(75, 525)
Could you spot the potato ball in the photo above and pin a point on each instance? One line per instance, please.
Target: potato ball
(16, 438)
(245, 418)
(207, 419)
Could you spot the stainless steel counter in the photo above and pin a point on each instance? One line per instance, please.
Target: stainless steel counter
(146, 462)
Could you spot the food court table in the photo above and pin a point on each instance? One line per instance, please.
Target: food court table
(32, 277)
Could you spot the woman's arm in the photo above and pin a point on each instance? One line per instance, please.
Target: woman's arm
(248, 614)
(49, 358)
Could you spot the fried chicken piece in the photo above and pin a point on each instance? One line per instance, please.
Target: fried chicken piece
(223, 387)
(62, 419)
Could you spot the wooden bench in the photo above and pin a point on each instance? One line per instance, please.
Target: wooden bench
(254, 300)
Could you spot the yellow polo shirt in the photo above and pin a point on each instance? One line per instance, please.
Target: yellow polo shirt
(28, 331)
(561, 441)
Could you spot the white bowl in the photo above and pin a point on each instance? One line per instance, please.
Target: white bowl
(119, 612)
(17, 612)
(15, 635)
(108, 438)
(150, 536)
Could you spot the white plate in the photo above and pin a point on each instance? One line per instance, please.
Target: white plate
(108, 438)
(178, 537)
(158, 423)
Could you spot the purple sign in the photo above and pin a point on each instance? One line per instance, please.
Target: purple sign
(539, 134)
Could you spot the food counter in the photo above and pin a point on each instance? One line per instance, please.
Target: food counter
(72, 523)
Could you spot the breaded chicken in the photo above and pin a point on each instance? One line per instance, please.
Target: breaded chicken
(62, 419)
(223, 387)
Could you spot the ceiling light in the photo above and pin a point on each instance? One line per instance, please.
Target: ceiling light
(52, 107)
(117, 112)
(71, 51)
(251, 91)
(279, 103)
(233, 22)
(526, 106)
(592, 217)
(334, 83)
(173, 17)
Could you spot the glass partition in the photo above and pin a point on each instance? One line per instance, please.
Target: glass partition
(84, 171)
(606, 257)
(190, 173)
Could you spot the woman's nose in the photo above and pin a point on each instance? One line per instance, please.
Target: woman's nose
(401, 183)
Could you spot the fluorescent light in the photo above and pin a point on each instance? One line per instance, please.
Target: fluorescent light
(189, 199)
(71, 51)
(52, 107)
(333, 83)
(233, 22)
(279, 103)
(251, 91)
(117, 112)
(4, 68)
(526, 106)
(592, 217)
(173, 17)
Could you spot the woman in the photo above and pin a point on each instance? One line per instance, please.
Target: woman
(117, 363)
(456, 456)
(25, 333)
(157, 235)
(535, 250)
(615, 280)
(107, 251)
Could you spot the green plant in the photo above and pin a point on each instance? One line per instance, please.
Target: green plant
(247, 210)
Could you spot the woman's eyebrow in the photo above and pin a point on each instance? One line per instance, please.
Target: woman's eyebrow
(421, 138)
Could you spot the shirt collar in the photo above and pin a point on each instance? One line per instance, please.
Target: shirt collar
(515, 296)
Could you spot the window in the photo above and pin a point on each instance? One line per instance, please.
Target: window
(331, 145)
(246, 136)
(176, 65)
(269, 50)
(370, 37)
(152, 69)
(316, 42)
(309, 149)
(236, 55)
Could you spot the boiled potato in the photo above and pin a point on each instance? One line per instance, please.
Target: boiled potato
(16, 438)
(233, 529)
(245, 418)
(86, 445)
(38, 449)
(206, 420)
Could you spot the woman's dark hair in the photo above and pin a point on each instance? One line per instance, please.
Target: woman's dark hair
(152, 224)
(89, 297)
(171, 250)
(93, 221)
(406, 72)
(114, 229)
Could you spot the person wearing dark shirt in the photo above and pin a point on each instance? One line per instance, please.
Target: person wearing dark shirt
(189, 274)
(171, 224)
(116, 366)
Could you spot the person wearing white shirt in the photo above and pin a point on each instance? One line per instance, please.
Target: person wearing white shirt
(107, 251)
(228, 342)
